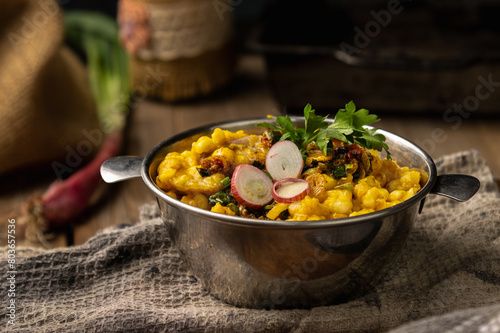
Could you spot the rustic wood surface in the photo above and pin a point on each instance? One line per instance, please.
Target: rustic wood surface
(248, 96)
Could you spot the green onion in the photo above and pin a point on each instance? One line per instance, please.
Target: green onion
(225, 182)
(96, 36)
(270, 206)
(350, 188)
(234, 208)
(339, 171)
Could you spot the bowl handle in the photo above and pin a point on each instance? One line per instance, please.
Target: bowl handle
(121, 168)
(458, 187)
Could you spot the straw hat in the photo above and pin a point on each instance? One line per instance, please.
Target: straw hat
(46, 105)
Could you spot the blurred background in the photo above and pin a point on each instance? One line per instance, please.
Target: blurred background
(245, 12)
(395, 56)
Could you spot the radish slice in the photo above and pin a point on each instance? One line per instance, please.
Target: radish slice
(284, 160)
(251, 186)
(290, 189)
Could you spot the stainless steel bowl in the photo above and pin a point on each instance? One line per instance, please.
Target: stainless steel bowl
(272, 264)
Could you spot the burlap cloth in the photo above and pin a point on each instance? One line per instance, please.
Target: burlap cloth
(130, 279)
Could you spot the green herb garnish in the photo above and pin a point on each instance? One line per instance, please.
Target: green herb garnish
(203, 172)
(223, 198)
(284, 215)
(347, 127)
(258, 165)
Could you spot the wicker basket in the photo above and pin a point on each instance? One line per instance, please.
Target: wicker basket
(180, 49)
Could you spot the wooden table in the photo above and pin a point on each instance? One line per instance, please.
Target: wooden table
(248, 96)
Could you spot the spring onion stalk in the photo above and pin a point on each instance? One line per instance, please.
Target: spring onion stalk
(97, 37)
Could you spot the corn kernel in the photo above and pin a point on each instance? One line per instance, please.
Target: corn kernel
(224, 153)
(218, 208)
(242, 159)
(190, 158)
(230, 136)
(196, 200)
(307, 206)
(172, 194)
(330, 182)
(397, 195)
(204, 145)
(218, 137)
(406, 181)
(277, 210)
(361, 212)
(339, 202)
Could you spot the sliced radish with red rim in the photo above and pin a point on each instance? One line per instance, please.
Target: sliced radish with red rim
(251, 186)
(289, 190)
(284, 160)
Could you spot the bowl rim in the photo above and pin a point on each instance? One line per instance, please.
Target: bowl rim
(259, 223)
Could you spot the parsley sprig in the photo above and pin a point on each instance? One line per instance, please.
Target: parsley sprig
(347, 127)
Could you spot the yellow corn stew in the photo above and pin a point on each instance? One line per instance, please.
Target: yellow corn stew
(328, 198)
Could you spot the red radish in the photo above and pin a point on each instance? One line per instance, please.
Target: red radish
(284, 160)
(67, 199)
(64, 200)
(251, 186)
(288, 190)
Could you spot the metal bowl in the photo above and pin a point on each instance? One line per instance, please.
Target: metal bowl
(275, 264)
